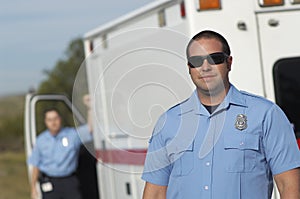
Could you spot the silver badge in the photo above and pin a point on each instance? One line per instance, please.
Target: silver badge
(241, 122)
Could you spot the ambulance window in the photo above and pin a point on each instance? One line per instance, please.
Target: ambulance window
(287, 89)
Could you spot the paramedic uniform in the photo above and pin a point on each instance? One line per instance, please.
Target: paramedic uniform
(232, 153)
(57, 159)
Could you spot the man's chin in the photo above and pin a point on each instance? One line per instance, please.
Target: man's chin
(211, 90)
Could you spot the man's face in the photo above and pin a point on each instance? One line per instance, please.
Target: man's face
(210, 79)
(53, 122)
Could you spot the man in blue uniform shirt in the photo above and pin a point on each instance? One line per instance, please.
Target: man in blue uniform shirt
(220, 143)
(55, 157)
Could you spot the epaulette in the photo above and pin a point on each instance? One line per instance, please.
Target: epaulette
(258, 97)
(251, 94)
(180, 103)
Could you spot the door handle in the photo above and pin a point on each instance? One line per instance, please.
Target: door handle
(273, 22)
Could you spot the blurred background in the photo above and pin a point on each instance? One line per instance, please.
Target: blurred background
(41, 50)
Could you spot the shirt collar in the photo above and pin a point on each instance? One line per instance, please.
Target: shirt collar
(235, 97)
(58, 135)
(193, 104)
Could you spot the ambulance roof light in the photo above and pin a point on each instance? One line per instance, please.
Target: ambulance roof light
(182, 9)
(209, 4)
(265, 3)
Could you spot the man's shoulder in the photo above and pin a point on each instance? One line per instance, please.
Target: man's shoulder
(183, 107)
(177, 108)
(254, 99)
(171, 116)
(43, 136)
(68, 131)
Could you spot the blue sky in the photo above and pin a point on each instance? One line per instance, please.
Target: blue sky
(35, 34)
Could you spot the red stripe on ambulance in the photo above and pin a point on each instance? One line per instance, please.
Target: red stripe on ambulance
(127, 157)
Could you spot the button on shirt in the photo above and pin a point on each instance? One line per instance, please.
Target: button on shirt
(57, 156)
(202, 155)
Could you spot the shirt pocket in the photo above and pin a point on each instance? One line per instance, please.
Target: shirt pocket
(241, 152)
(182, 159)
(46, 149)
(65, 147)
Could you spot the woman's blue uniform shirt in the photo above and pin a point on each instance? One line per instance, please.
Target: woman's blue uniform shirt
(201, 155)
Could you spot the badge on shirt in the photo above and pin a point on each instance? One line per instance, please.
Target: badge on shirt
(65, 142)
(241, 122)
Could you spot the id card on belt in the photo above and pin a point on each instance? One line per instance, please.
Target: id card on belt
(46, 187)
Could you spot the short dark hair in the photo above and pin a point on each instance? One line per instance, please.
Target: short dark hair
(51, 109)
(209, 34)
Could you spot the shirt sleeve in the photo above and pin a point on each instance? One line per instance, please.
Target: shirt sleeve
(84, 134)
(280, 144)
(157, 166)
(34, 158)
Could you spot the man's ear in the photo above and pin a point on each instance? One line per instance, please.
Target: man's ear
(229, 63)
(228, 67)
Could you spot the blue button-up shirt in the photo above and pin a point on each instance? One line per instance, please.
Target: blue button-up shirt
(219, 155)
(57, 156)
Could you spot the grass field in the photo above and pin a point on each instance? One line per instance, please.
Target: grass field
(13, 176)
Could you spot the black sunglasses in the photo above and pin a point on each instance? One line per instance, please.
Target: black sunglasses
(214, 58)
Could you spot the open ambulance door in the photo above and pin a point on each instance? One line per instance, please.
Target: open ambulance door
(279, 37)
(34, 124)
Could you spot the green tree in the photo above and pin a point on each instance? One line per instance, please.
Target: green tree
(61, 78)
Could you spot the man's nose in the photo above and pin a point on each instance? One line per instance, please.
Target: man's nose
(205, 66)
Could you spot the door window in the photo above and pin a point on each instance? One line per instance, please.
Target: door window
(287, 89)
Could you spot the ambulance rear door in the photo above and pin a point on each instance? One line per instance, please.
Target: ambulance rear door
(34, 124)
(279, 32)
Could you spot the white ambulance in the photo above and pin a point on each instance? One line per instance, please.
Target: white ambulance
(136, 69)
